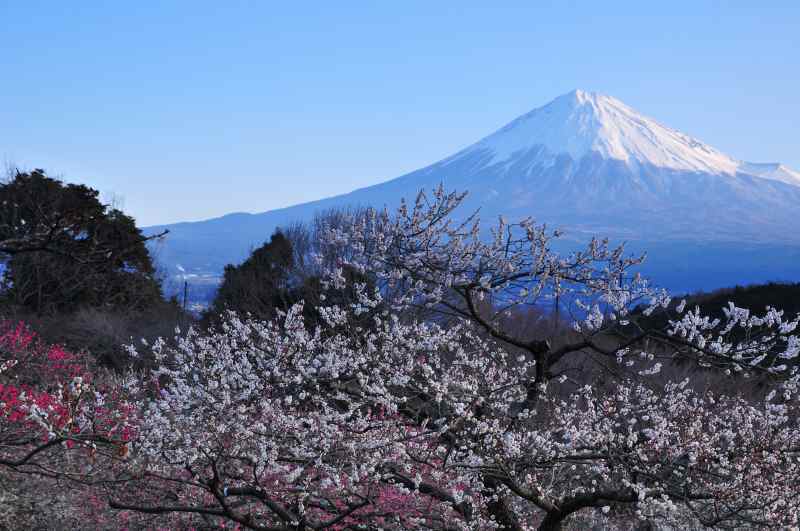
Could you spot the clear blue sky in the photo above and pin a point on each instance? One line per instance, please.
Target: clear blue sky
(189, 110)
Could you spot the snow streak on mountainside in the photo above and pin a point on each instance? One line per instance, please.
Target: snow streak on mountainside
(585, 162)
(771, 170)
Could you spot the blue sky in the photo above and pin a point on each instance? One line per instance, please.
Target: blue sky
(189, 110)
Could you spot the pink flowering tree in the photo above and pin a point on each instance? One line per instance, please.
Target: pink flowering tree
(56, 418)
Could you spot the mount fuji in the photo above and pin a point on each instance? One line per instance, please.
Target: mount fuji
(589, 164)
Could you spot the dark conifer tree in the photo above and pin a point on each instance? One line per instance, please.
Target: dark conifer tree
(65, 250)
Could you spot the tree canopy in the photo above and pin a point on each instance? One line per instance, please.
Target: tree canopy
(261, 284)
(65, 249)
(278, 275)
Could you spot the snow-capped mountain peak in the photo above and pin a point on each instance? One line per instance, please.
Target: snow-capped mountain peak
(579, 123)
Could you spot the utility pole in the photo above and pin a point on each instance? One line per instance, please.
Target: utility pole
(185, 294)
(557, 308)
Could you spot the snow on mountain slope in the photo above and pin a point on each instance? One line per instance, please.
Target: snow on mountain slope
(580, 123)
(584, 162)
(771, 170)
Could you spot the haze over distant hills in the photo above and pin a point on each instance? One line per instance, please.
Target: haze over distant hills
(590, 164)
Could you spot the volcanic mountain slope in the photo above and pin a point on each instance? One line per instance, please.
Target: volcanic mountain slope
(585, 162)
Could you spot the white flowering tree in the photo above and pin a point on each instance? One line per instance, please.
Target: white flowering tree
(465, 423)
(424, 258)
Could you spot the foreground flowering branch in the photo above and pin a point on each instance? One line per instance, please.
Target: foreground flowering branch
(272, 425)
(416, 405)
(424, 258)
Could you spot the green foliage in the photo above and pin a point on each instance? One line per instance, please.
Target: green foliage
(70, 251)
(275, 277)
(261, 284)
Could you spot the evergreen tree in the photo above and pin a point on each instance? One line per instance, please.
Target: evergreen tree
(261, 284)
(66, 250)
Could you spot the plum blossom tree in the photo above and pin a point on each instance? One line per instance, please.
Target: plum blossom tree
(424, 258)
(419, 422)
(64, 426)
(443, 418)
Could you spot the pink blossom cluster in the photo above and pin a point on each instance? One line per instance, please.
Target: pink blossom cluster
(49, 398)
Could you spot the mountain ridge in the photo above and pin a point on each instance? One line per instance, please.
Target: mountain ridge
(585, 162)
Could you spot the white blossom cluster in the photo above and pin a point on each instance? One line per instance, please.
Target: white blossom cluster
(417, 423)
(424, 258)
(315, 426)
(425, 253)
(280, 414)
(741, 342)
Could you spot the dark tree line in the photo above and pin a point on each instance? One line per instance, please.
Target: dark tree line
(285, 270)
(77, 268)
(67, 250)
